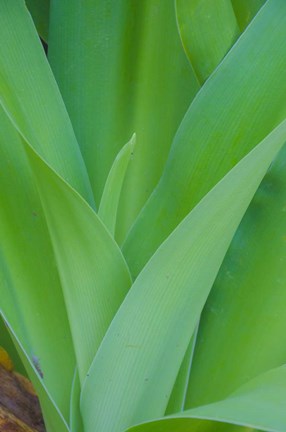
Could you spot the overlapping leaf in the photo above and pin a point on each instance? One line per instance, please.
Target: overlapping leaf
(126, 382)
(258, 404)
(7, 344)
(115, 79)
(92, 270)
(245, 10)
(235, 109)
(208, 29)
(30, 287)
(248, 296)
(31, 98)
(40, 11)
(75, 416)
(178, 396)
(53, 418)
(159, 314)
(112, 190)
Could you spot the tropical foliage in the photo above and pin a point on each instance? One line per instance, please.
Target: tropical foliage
(142, 221)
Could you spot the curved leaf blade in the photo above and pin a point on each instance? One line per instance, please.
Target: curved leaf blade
(93, 273)
(32, 99)
(75, 416)
(249, 295)
(52, 417)
(245, 10)
(120, 42)
(108, 207)
(30, 286)
(169, 293)
(233, 112)
(258, 404)
(40, 9)
(208, 30)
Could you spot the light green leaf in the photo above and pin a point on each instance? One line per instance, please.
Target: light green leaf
(178, 396)
(29, 95)
(208, 29)
(30, 289)
(237, 107)
(52, 417)
(75, 416)
(248, 295)
(258, 404)
(92, 270)
(245, 10)
(111, 193)
(40, 9)
(116, 78)
(158, 316)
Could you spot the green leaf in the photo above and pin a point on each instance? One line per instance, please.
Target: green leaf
(248, 296)
(158, 316)
(52, 417)
(40, 9)
(30, 288)
(178, 396)
(208, 29)
(138, 87)
(75, 416)
(258, 404)
(31, 98)
(92, 270)
(245, 10)
(234, 111)
(111, 193)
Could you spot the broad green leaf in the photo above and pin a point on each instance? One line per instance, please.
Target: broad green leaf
(258, 404)
(247, 305)
(208, 29)
(121, 68)
(39, 9)
(236, 108)
(245, 10)
(75, 416)
(52, 417)
(111, 193)
(92, 270)
(29, 95)
(165, 85)
(30, 289)
(158, 316)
